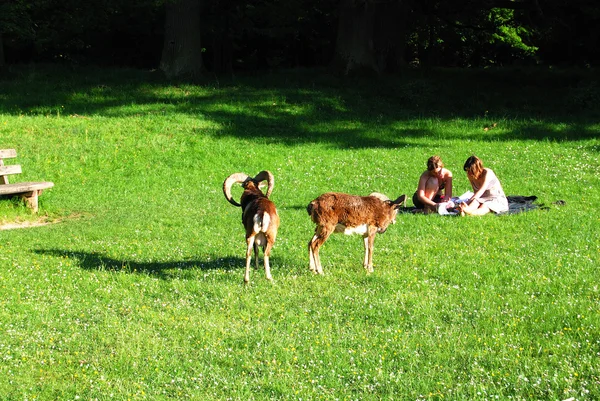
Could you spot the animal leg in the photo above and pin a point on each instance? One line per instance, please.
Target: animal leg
(267, 254)
(311, 255)
(366, 259)
(321, 235)
(255, 256)
(249, 248)
(369, 240)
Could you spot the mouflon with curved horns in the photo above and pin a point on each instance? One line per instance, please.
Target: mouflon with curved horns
(259, 216)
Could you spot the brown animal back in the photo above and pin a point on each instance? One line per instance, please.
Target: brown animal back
(350, 210)
(260, 207)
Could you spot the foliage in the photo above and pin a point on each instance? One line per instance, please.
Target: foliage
(71, 31)
(568, 32)
(135, 291)
(465, 34)
(508, 33)
(280, 34)
(15, 20)
(271, 33)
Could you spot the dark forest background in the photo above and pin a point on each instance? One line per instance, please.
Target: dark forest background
(193, 37)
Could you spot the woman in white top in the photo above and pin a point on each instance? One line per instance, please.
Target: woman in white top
(488, 193)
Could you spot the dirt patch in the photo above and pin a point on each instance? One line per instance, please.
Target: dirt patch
(40, 221)
(27, 224)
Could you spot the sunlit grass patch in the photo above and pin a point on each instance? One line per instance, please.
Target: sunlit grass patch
(137, 293)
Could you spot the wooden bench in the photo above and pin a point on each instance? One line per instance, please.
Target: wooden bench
(29, 191)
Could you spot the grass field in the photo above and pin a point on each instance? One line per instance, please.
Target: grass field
(134, 290)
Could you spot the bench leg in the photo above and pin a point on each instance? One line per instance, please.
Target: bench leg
(31, 199)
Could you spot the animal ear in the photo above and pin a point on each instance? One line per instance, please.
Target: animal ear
(393, 205)
(401, 199)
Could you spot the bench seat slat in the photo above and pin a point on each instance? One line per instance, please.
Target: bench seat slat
(23, 187)
(12, 169)
(7, 153)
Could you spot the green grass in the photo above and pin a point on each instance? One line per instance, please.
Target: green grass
(135, 291)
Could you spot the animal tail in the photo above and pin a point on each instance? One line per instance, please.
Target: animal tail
(261, 224)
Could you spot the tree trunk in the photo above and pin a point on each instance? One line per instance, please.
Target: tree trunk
(182, 49)
(2, 60)
(354, 51)
(223, 47)
(390, 35)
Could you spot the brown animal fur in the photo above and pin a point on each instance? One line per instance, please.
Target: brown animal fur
(259, 217)
(338, 212)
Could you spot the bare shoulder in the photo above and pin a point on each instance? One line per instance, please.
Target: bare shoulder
(424, 177)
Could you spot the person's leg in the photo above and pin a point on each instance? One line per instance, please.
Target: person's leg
(432, 187)
(431, 190)
(474, 209)
(417, 202)
(468, 208)
(481, 210)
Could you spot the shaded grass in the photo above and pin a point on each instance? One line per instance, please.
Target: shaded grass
(136, 293)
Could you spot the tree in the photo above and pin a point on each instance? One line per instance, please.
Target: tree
(14, 21)
(182, 48)
(374, 36)
(378, 36)
(568, 32)
(355, 49)
(2, 58)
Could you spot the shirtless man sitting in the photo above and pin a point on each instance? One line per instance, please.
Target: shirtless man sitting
(435, 186)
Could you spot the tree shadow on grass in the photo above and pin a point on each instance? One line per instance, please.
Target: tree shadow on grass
(163, 270)
(293, 108)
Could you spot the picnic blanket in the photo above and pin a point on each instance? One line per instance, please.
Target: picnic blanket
(516, 204)
(519, 203)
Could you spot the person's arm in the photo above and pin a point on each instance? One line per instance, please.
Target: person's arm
(486, 181)
(448, 187)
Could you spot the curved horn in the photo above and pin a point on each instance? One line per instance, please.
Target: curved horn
(229, 181)
(266, 175)
(379, 196)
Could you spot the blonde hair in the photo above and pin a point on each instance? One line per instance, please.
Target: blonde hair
(434, 162)
(474, 165)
